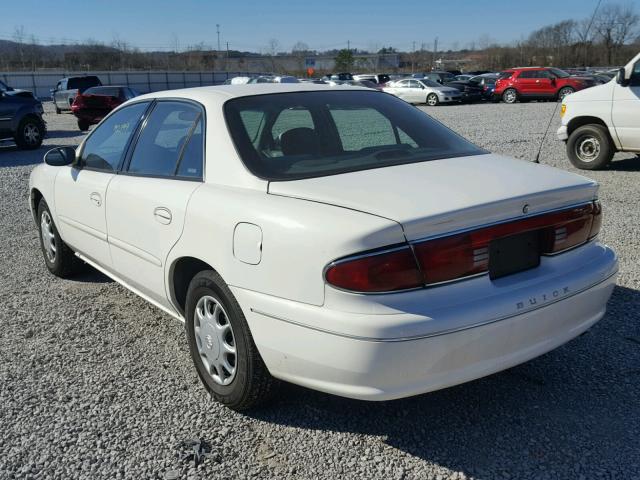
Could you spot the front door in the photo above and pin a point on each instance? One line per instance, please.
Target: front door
(81, 189)
(146, 204)
(626, 110)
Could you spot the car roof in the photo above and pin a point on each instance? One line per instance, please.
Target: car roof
(222, 93)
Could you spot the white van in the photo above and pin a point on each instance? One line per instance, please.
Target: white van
(598, 121)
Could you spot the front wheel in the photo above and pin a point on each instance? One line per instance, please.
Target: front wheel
(590, 148)
(221, 345)
(510, 96)
(563, 92)
(432, 100)
(30, 133)
(58, 257)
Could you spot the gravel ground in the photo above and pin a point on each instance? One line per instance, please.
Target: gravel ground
(95, 383)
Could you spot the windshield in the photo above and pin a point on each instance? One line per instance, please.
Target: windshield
(289, 136)
(431, 83)
(559, 73)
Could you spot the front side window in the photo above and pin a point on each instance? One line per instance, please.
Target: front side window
(106, 146)
(329, 133)
(559, 73)
(161, 143)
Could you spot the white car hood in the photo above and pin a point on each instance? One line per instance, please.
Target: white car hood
(440, 196)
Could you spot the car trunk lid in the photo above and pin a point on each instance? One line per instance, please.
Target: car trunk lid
(442, 196)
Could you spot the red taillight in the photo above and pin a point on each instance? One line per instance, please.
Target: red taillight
(378, 272)
(79, 99)
(461, 255)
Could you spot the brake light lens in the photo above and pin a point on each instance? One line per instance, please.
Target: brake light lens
(379, 272)
(457, 256)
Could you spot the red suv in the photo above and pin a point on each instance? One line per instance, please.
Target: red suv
(536, 83)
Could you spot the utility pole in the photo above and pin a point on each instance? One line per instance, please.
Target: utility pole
(349, 45)
(218, 31)
(435, 50)
(413, 57)
(226, 64)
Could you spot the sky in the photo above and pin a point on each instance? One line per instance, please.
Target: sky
(252, 24)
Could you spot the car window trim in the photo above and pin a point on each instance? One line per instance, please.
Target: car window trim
(124, 168)
(79, 166)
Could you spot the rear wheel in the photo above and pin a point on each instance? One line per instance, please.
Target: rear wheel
(590, 148)
(58, 257)
(564, 91)
(83, 125)
(58, 111)
(30, 133)
(221, 345)
(432, 100)
(510, 96)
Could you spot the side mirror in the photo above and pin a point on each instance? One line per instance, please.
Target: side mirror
(60, 156)
(621, 77)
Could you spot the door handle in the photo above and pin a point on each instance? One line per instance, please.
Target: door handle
(162, 215)
(96, 198)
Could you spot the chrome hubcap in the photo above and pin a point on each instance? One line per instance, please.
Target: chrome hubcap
(31, 133)
(48, 238)
(431, 100)
(215, 340)
(510, 96)
(588, 149)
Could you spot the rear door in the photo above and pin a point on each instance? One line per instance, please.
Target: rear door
(526, 82)
(146, 203)
(626, 110)
(401, 90)
(59, 95)
(80, 189)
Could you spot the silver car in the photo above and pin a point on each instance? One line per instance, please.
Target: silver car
(423, 91)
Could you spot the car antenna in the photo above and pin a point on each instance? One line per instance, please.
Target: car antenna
(553, 114)
(593, 16)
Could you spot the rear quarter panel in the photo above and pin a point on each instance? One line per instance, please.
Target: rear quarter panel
(299, 238)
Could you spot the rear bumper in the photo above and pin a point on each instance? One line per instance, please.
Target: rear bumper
(421, 353)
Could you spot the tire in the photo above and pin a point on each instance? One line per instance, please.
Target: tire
(30, 133)
(510, 95)
(60, 260)
(564, 91)
(58, 111)
(83, 125)
(590, 148)
(432, 100)
(220, 324)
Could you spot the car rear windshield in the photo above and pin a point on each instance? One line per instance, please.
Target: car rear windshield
(82, 83)
(106, 91)
(289, 136)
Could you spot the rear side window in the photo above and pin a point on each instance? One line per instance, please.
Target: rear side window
(164, 138)
(82, 83)
(106, 145)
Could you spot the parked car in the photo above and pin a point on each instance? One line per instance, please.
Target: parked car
(487, 82)
(15, 91)
(440, 77)
(423, 91)
(464, 77)
(337, 238)
(66, 90)
(96, 102)
(362, 83)
(470, 91)
(342, 77)
(379, 78)
(602, 120)
(537, 83)
(21, 120)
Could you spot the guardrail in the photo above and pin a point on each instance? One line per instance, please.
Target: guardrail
(40, 83)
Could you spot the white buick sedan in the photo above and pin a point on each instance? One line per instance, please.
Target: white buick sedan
(336, 238)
